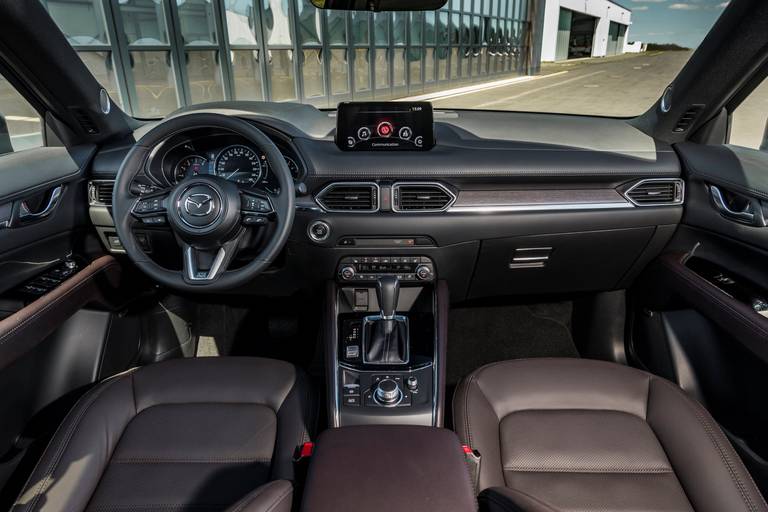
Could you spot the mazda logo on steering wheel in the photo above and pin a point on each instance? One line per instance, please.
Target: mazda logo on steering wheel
(199, 205)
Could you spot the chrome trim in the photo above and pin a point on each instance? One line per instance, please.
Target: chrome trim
(539, 207)
(318, 196)
(213, 272)
(26, 215)
(92, 196)
(676, 202)
(312, 236)
(400, 184)
(178, 207)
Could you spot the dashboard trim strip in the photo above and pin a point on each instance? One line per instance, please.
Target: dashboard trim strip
(538, 207)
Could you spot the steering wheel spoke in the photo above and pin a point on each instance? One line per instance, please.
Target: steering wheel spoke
(151, 209)
(256, 209)
(205, 265)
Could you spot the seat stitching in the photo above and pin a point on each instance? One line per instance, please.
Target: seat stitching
(68, 437)
(711, 431)
(212, 460)
(280, 499)
(249, 499)
(606, 471)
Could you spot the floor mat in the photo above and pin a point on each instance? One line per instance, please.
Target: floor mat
(482, 335)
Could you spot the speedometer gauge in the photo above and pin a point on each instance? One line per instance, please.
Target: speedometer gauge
(239, 164)
(189, 166)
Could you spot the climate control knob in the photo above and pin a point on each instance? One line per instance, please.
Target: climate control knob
(388, 392)
(347, 273)
(423, 272)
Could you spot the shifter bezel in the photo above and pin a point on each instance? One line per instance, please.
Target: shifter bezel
(368, 323)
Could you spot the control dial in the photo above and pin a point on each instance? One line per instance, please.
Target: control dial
(423, 272)
(347, 273)
(388, 392)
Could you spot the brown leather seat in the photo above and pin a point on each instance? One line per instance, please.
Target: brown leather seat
(190, 434)
(574, 434)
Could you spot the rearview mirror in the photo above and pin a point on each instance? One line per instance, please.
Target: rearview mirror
(379, 5)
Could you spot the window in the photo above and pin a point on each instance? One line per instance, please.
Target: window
(20, 126)
(749, 122)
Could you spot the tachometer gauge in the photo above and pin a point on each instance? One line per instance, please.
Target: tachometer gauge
(239, 164)
(293, 167)
(189, 166)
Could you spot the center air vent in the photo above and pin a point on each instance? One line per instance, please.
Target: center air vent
(656, 192)
(100, 192)
(421, 197)
(349, 197)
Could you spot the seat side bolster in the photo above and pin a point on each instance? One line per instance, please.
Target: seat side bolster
(708, 468)
(296, 419)
(275, 496)
(79, 452)
(477, 424)
(504, 499)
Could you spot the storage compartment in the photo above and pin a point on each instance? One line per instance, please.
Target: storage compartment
(388, 468)
(561, 262)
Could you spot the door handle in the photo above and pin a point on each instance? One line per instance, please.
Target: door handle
(26, 215)
(751, 214)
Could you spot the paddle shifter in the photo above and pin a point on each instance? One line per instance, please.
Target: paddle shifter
(386, 336)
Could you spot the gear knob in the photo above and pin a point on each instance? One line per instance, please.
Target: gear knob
(387, 292)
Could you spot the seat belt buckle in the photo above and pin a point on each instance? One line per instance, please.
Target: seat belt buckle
(472, 458)
(303, 452)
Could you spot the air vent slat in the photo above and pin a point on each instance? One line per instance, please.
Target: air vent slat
(349, 197)
(100, 192)
(656, 192)
(421, 197)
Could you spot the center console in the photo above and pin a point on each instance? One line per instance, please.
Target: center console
(388, 468)
(385, 344)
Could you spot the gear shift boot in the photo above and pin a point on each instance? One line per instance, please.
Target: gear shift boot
(385, 341)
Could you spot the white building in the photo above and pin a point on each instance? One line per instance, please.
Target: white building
(584, 28)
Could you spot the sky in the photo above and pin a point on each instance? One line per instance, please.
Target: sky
(684, 22)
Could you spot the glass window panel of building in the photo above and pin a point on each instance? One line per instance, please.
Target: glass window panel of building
(153, 56)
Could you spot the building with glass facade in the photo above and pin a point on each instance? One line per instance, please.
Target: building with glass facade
(154, 56)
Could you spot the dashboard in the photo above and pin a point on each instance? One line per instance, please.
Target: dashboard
(226, 155)
(493, 188)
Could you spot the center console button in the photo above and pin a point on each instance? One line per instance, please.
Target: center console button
(347, 273)
(412, 383)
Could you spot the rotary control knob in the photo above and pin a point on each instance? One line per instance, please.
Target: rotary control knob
(423, 272)
(412, 383)
(347, 273)
(387, 392)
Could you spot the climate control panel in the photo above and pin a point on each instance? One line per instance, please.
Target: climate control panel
(370, 268)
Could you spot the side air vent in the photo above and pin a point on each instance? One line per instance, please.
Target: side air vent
(656, 192)
(100, 192)
(688, 118)
(349, 197)
(421, 197)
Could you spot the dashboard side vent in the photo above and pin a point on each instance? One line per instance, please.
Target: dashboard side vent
(688, 118)
(421, 197)
(656, 192)
(349, 197)
(100, 192)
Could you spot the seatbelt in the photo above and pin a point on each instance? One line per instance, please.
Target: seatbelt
(472, 458)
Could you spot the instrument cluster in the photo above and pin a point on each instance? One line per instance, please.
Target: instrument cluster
(226, 155)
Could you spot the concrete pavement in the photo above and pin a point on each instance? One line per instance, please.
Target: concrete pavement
(624, 86)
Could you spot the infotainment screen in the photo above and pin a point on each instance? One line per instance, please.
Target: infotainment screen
(384, 126)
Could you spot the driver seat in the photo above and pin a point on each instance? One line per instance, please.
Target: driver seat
(186, 434)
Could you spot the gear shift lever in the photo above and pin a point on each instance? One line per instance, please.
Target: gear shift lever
(387, 292)
(385, 340)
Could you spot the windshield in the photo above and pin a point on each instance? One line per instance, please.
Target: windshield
(595, 57)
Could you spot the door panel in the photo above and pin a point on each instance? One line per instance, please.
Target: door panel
(42, 202)
(700, 312)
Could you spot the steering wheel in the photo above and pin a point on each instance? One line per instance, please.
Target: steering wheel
(210, 216)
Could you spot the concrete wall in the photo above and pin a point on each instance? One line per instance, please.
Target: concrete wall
(604, 10)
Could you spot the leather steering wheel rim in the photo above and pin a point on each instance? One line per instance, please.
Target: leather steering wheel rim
(123, 200)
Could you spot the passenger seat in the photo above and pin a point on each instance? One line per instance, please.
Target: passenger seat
(575, 434)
